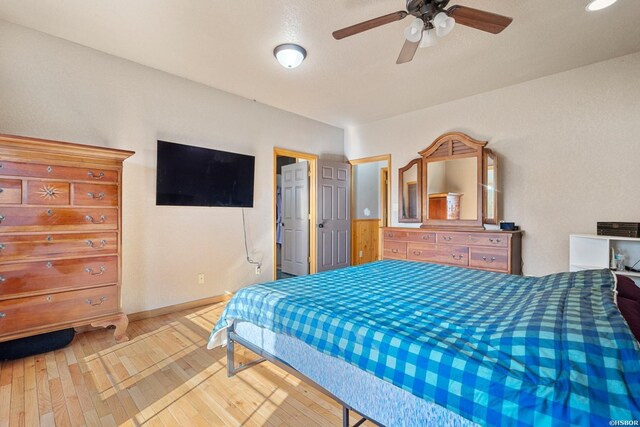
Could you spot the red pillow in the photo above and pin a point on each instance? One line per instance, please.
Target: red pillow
(630, 310)
(627, 288)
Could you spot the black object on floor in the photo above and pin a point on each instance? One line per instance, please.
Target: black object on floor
(37, 344)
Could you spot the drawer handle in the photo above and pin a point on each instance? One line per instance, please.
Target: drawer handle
(2, 218)
(484, 258)
(2, 279)
(1, 190)
(2, 315)
(93, 245)
(394, 251)
(417, 252)
(49, 169)
(446, 238)
(100, 301)
(1, 246)
(389, 235)
(458, 257)
(495, 241)
(94, 176)
(426, 237)
(49, 212)
(49, 239)
(92, 221)
(94, 196)
(100, 273)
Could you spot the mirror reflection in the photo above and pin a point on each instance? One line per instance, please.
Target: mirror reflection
(410, 205)
(490, 188)
(452, 189)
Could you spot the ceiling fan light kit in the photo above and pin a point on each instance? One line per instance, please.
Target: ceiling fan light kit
(290, 55)
(443, 24)
(599, 4)
(431, 16)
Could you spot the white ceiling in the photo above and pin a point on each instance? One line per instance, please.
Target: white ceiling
(229, 45)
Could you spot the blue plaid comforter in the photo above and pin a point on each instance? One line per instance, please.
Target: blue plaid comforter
(494, 348)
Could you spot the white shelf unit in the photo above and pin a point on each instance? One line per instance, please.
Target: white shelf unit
(590, 251)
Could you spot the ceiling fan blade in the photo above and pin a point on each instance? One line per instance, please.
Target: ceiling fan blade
(367, 25)
(479, 19)
(407, 52)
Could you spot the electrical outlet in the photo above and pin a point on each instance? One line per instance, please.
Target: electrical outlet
(200, 278)
(257, 270)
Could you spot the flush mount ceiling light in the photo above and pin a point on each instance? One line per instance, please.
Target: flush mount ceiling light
(289, 55)
(599, 4)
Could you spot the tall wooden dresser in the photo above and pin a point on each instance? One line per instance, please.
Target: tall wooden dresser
(498, 251)
(60, 237)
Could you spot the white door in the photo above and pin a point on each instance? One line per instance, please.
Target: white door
(333, 215)
(295, 218)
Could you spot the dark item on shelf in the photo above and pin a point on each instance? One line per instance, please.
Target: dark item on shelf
(619, 229)
(508, 226)
(36, 344)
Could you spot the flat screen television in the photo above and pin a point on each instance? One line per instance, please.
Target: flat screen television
(195, 176)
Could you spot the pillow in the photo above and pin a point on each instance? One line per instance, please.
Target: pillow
(630, 310)
(627, 288)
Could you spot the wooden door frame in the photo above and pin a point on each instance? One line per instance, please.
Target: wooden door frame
(360, 161)
(313, 177)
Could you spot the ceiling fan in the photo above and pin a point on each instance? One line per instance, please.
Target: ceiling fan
(431, 21)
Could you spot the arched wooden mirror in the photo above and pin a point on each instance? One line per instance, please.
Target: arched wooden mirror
(455, 171)
(410, 192)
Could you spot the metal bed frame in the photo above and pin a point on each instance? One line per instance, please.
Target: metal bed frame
(233, 337)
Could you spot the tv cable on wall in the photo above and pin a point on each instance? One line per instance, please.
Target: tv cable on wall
(246, 249)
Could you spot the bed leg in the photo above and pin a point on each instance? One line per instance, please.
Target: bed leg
(345, 416)
(230, 353)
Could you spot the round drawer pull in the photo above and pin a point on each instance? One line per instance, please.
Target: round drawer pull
(1, 190)
(2, 315)
(2, 218)
(90, 219)
(49, 239)
(94, 196)
(495, 241)
(100, 273)
(49, 264)
(99, 302)
(93, 175)
(394, 251)
(49, 298)
(49, 169)
(484, 258)
(102, 244)
(1, 246)
(2, 279)
(49, 212)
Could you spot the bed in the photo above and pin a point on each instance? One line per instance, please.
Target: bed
(409, 343)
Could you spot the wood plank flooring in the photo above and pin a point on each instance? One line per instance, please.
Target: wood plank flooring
(164, 376)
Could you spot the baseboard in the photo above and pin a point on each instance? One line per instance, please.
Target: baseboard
(177, 307)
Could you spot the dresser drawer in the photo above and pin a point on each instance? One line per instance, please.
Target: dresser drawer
(23, 247)
(489, 258)
(57, 308)
(447, 254)
(52, 218)
(418, 236)
(10, 191)
(453, 238)
(95, 195)
(394, 235)
(48, 193)
(395, 250)
(58, 172)
(495, 240)
(47, 276)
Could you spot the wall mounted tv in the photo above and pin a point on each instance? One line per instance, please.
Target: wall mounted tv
(194, 176)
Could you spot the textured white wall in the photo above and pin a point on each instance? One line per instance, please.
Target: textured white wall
(569, 146)
(55, 89)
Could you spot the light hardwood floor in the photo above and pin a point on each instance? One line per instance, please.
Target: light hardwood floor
(164, 376)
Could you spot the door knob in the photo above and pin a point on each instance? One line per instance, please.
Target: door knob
(320, 225)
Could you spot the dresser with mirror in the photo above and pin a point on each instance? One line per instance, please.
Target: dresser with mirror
(451, 190)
